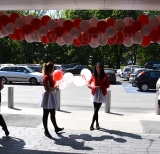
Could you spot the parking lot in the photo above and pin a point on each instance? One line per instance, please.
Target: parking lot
(123, 96)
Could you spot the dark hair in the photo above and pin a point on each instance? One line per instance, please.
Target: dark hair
(47, 67)
(102, 74)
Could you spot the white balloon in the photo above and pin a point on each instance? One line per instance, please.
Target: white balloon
(62, 85)
(93, 22)
(128, 21)
(51, 24)
(128, 42)
(84, 25)
(119, 25)
(94, 43)
(28, 38)
(10, 27)
(86, 74)
(102, 39)
(20, 22)
(4, 32)
(145, 30)
(78, 81)
(67, 38)
(68, 77)
(43, 30)
(1, 35)
(137, 38)
(153, 23)
(75, 32)
(60, 41)
(35, 36)
(29, 18)
(111, 31)
(61, 21)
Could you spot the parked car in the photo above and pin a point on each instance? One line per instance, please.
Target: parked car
(67, 66)
(111, 75)
(119, 71)
(152, 64)
(75, 64)
(59, 67)
(36, 68)
(147, 80)
(127, 75)
(77, 69)
(20, 74)
(134, 73)
(124, 71)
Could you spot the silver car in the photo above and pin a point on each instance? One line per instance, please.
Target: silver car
(20, 74)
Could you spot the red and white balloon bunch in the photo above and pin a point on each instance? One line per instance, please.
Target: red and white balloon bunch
(93, 32)
(63, 80)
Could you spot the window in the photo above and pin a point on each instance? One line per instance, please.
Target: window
(153, 74)
(21, 69)
(3, 69)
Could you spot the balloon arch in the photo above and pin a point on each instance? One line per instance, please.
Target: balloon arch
(93, 32)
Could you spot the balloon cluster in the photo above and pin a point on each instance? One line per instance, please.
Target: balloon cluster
(93, 32)
(63, 80)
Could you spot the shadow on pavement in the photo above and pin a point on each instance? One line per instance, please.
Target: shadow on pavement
(15, 145)
(88, 137)
(14, 108)
(22, 83)
(70, 141)
(116, 114)
(117, 83)
(64, 111)
(119, 133)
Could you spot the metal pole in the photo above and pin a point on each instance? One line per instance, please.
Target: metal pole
(157, 103)
(108, 101)
(58, 95)
(10, 97)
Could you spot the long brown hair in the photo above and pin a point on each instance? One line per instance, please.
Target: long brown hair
(47, 68)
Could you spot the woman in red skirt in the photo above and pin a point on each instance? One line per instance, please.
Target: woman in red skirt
(98, 84)
(49, 101)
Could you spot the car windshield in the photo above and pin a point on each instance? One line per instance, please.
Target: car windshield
(29, 69)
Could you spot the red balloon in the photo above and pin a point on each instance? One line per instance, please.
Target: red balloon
(144, 19)
(137, 25)
(51, 36)
(14, 16)
(112, 41)
(85, 38)
(154, 36)
(59, 31)
(146, 41)
(19, 35)
(76, 42)
(111, 22)
(68, 25)
(4, 20)
(77, 22)
(128, 31)
(36, 23)
(12, 37)
(57, 75)
(119, 37)
(44, 20)
(27, 29)
(101, 26)
(93, 32)
(44, 40)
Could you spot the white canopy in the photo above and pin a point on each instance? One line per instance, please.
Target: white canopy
(79, 4)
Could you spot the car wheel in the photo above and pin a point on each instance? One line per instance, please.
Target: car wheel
(4, 79)
(144, 87)
(33, 81)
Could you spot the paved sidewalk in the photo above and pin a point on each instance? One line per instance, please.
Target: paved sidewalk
(122, 132)
(32, 141)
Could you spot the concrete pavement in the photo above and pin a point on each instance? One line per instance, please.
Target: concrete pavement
(123, 131)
